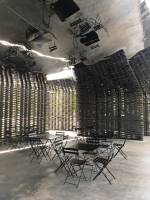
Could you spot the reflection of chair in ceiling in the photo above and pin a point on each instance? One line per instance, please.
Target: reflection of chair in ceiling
(85, 31)
(84, 28)
(52, 46)
(89, 38)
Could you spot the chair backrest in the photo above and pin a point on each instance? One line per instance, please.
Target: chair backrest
(70, 151)
(34, 141)
(57, 144)
(61, 134)
(122, 142)
(105, 160)
(30, 132)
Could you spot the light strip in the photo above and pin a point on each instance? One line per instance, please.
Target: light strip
(66, 74)
(13, 150)
(29, 147)
(6, 43)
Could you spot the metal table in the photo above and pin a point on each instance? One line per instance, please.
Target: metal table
(84, 147)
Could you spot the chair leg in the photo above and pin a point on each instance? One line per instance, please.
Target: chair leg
(119, 150)
(110, 173)
(59, 167)
(66, 177)
(98, 172)
(123, 154)
(80, 176)
(106, 177)
(69, 173)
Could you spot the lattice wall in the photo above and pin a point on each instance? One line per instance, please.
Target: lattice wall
(22, 101)
(115, 95)
(62, 105)
(141, 66)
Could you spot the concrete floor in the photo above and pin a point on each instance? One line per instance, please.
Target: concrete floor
(21, 180)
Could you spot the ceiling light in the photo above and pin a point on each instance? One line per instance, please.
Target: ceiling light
(66, 74)
(6, 43)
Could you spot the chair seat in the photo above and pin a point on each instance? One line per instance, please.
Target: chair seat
(77, 161)
(90, 153)
(117, 144)
(101, 160)
(104, 145)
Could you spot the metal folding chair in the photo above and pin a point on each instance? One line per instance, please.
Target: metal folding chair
(62, 135)
(101, 163)
(57, 146)
(38, 149)
(118, 146)
(75, 166)
(63, 160)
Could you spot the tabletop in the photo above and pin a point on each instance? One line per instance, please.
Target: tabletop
(46, 136)
(84, 146)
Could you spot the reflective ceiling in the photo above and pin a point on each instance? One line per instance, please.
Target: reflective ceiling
(120, 18)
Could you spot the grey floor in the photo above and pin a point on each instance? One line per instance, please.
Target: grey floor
(21, 180)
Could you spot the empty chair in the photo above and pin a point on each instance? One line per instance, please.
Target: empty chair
(75, 166)
(38, 149)
(118, 146)
(57, 146)
(62, 160)
(101, 163)
(62, 135)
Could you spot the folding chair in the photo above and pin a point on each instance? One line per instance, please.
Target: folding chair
(38, 149)
(25, 134)
(105, 146)
(101, 164)
(89, 156)
(57, 146)
(63, 161)
(63, 136)
(118, 146)
(75, 166)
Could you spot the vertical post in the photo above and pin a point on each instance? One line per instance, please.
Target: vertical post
(96, 107)
(119, 117)
(145, 114)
